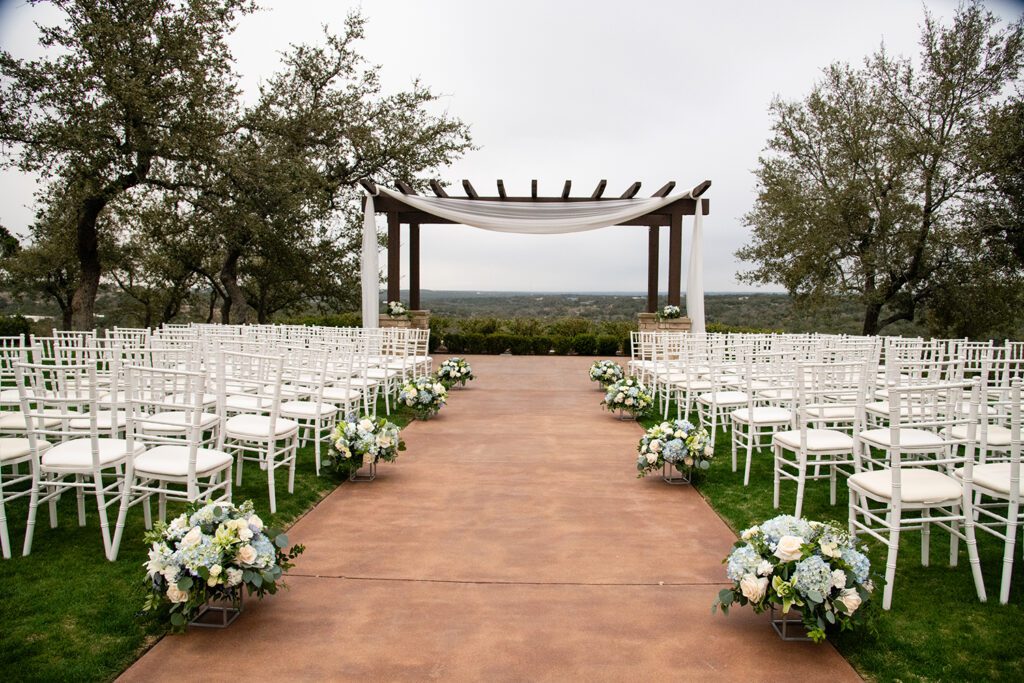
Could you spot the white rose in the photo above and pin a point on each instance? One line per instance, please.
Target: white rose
(438, 388)
(175, 595)
(255, 523)
(340, 444)
(384, 441)
(620, 397)
(680, 434)
(234, 576)
(708, 451)
(829, 549)
(765, 568)
(655, 446)
(850, 599)
(753, 588)
(245, 534)
(191, 538)
(366, 425)
(246, 554)
(171, 574)
(652, 458)
(748, 534)
(629, 401)
(215, 570)
(838, 579)
(789, 548)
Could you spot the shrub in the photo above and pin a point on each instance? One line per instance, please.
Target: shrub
(13, 325)
(479, 325)
(498, 343)
(570, 327)
(607, 345)
(329, 320)
(627, 345)
(473, 342)
(562, 345)
(523, 327)
(522, 344)
(584, 344)
(542, 345)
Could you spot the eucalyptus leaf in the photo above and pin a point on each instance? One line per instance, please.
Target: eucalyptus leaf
(281, 541)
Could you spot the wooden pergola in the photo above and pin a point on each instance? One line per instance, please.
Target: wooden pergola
(669, 215)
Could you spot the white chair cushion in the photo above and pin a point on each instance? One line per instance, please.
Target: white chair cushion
(366, 382)
(172, 461)
(694, 385)
(174, 422)
(763, 415)
(817, 440)
(909, 438)
(306, 409)
(287, 390)
(777, 394)
(994, 476)
(247, 403)
(917, 485)
(9, 396)
(12, 448)
(77, 453)
(380, 373)
(184, 399)
(723, 398)
(831, 412)
(15, 421)
(342, 394)
(104, 420)
(997, 435)
(882, 408)
(257, 426)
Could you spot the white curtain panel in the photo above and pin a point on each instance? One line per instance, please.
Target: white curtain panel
(695, 274)
(530, 218)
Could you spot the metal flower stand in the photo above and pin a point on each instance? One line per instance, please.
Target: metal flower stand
(670, 475)
(369, 472)
(627, 417)
(219, 612)
(789, 626)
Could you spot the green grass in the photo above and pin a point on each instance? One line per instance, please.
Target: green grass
(937, 629)
(66, 613)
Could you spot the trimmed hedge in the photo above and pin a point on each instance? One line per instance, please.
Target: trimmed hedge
(13, 325)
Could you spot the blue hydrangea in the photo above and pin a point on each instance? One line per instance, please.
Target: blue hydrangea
(674, 450)
(784, 525)
(860, 564)
(265, 553)
(202, 554)
(743, 560)
(812, 574)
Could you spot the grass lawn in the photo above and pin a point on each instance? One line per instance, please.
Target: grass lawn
(937, 629)
(66, 613)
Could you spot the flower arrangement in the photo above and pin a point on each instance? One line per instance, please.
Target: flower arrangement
(789, 561)
(355, 443)
(677, 443)
(425, 396)
(454, 371)
(211, 552)
(396, 309)
(628, 395)
(669, 313)
(606, 372)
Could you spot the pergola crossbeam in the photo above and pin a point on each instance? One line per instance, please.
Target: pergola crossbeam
(665, 189)
(470, 190)
(438, 190)
(599, 190)
(566, 188)
(631, 191)
(404, 187)
(501, 189)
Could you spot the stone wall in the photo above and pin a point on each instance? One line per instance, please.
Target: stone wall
(649, 321)
(419, 320)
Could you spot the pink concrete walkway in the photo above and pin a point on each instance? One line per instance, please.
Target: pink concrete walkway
(511, 542)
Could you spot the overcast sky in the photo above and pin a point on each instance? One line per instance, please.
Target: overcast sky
(583, 90)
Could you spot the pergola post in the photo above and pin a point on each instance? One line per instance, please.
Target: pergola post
(414, 266)
(675, 259)
(394, 256)
(653, 237)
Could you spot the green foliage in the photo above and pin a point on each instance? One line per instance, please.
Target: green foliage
(584, 344)
(866, 189)
(607, 345)
(562, 345)
(13, 325)
(329, 320)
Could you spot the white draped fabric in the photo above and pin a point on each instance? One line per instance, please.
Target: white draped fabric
(695, 276)
(531, 218)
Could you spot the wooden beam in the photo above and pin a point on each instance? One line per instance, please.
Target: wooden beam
(675, 259)
(599, 190)
(631, 191)
(665, 189)
(368, 185)
(566, 188)
(470, 191)
(394, 257)
(404, 187)
(438, 190)
(653, 236)
(700, 189)
(533, 188)
(414, 266)
(501, 189)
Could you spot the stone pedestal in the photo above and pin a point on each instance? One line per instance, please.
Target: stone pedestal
(648, 322)
(419, 320)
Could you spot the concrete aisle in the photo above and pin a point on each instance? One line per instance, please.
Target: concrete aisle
(511, 542)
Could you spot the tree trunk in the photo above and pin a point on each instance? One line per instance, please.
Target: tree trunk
(83, 303)
(871, 315)
(235, 308)
(213, 306)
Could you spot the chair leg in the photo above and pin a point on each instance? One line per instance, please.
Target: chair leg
(316, 447)
(851, 514)
(1011, 540)
(890, 560)
(735, 436)
(926, 537)
(33, 507)
(270, 486)
(147, 513)
(80, 499)
(291, 468)
(750, 447)
(161, 507)
(954, 539)
(801, 483)
(832, 477)
(777, 478)
(5, 540)
(101, 504)
(972, 551)
(122, 515)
